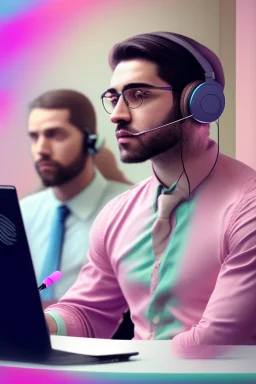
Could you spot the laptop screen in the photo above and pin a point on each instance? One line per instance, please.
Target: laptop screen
(22, 324)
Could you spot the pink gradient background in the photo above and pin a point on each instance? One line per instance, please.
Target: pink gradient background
(246, 81)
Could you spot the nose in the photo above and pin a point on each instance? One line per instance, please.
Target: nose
(121, 112)
(42, 146)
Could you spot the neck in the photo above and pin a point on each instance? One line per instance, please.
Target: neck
(73, 187)
(168, 165)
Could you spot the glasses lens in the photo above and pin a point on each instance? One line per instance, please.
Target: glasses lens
(134, 97)
(109, 101)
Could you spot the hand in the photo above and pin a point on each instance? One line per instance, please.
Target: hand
(51, 324)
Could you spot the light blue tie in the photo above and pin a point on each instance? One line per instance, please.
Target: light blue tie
(53, 255)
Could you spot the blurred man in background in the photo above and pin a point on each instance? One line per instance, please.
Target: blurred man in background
(65, 146)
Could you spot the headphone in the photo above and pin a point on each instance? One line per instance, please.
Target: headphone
(92, 142)
(204, 100)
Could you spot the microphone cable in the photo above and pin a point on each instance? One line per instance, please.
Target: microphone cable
(182, 159)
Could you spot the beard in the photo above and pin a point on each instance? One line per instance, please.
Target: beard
(151, 144)
(60, 174)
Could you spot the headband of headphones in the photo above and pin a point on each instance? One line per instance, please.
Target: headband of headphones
(204, 100)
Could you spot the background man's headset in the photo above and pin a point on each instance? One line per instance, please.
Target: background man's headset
(92, 143)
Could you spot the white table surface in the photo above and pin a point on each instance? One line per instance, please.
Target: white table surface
(154, 357)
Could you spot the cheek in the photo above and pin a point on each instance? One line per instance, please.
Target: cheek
(154, 112)
(151, 117)
(67, 152)
(33, 151)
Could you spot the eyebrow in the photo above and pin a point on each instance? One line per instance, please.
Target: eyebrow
(46, 130)
(129, 86)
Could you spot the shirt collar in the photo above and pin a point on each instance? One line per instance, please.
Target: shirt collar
(84, 204)
(197, 169)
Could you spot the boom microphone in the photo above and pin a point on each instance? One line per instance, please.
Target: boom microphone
(153, 129)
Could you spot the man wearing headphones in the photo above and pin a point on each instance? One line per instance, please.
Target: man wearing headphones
(180, 247)
(62, 128)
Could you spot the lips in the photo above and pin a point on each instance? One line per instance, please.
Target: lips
(46, 165)
(122, 133)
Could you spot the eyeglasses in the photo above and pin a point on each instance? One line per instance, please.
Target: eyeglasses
(133, 97)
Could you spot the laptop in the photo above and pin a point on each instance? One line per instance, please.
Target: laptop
(24, 334)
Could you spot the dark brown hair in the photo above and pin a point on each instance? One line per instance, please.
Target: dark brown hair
(176, 65)
(82, 113)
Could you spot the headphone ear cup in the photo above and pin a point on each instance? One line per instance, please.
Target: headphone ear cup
(185, 97)
(94, 143)
(204, 100)
(85, 148)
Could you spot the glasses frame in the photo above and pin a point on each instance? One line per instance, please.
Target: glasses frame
(119, 94)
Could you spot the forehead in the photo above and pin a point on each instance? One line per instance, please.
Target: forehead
(42, 118)
(135, 71)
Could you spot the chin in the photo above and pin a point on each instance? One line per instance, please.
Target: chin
(49, 183)
(140, 155)
(133, 158)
